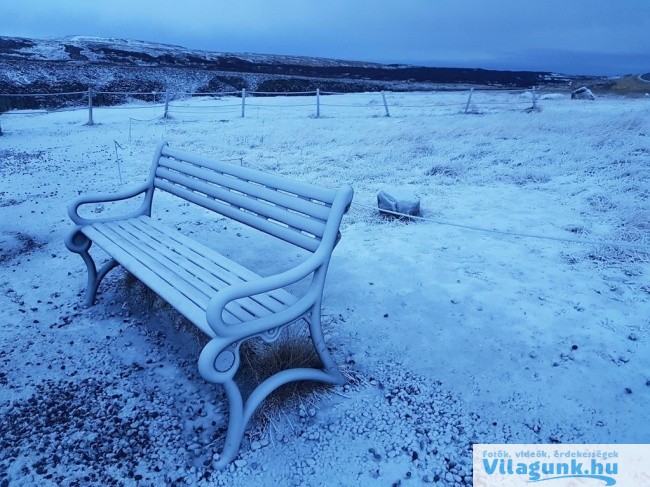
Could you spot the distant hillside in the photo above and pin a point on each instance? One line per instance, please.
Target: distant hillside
(77, 63)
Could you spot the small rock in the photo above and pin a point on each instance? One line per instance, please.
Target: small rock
(583, 93)
(398, 200)
(240, 463)
(256, 445)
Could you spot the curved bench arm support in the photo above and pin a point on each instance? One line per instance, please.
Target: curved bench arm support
(128, 193)
(316, 264)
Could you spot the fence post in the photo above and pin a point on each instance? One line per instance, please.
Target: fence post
(469, 100)
(243, 102)
(383, 96)
(166, 103)
(317, 102)
(90, 106)
(534, 98)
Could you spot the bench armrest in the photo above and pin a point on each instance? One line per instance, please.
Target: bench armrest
(73, 206)
(214, 314)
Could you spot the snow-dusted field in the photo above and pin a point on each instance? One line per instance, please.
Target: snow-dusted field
(451, 335)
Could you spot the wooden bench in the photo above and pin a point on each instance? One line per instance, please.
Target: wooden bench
(228, 302)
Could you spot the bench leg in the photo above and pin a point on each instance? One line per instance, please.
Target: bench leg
(218, 363)
(77, 242)
(236, 425)
(240, 413)
(316, 332)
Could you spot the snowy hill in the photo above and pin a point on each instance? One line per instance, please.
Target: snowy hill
(75, 63)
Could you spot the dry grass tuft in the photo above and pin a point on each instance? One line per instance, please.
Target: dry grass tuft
(259, 361)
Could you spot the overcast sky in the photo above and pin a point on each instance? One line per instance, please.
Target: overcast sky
(567, 36)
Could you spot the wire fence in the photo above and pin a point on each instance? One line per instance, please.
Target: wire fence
(313, 104)
(245, 103)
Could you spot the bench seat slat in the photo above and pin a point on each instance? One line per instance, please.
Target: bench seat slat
(221, 267)
(292, 201)
(121, 248)
(288, 234)
(113, 236)
(241, 310)
(169, 292)
(263, 209)
(194, 264)
(159, 255)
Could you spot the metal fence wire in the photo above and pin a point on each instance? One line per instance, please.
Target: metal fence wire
(315, 103)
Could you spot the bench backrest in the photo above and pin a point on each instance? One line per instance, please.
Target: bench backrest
(300, 213)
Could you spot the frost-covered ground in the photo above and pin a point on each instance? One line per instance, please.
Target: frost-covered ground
(451, 336)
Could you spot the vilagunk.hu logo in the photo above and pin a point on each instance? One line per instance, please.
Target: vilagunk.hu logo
(539, 471)
(561, 465)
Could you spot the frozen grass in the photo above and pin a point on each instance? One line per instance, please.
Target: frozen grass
(453, 335)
